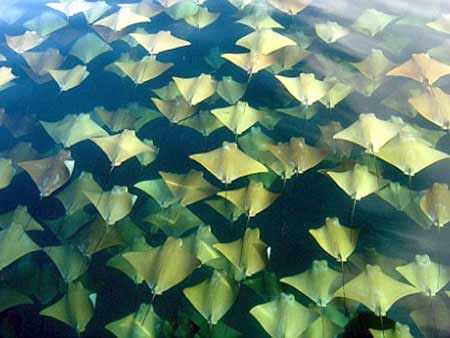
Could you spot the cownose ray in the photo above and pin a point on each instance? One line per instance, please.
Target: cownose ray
(228, 163)
(398, 331)
(70, 262)
(318, 283)
(112, 205)
(143, 323)
(72, 7)
(375, 290)
(25, 42)
(184, 9)
(202, 18)
(14, 244)
(201, 244)
(426, 276)
(371, 22)
(51, 173)
(330, 31)
(240, 4)
(142, 70)
(213, 297)
(7, 172)
(121, 147)
(291, 7)
(225, 209)
(204, 122)
(22, 151)
(296, 156)
(369, 132)
(239, 117)
(146, 8)
(73, 196)
(121, 19)
(337, 91)
(434, 105)
(249, 254)
(18, 124)
(264, 41)
(69, 78)
(73, 129)
(21, 216)
(432, 321)
(300, 111)
(75, 308)
(46, 23)
(421, 68)
(188, 188)
(327, 140)
(283, 317)
(10, 298)
(251, 62)
(230, 90)
(287, 57)
(259, 21)
(326, 325)
(41, 62)
(252, 199)
(410, 153)
(441, 24)
(88, 47)
(148, 157)
(432, 136)
(167, 3)
(305, 87)
(165, 266)
(158, 190)
(159, 42)
(196, 89)
(6, 76)
(176, 110)
(435, 204)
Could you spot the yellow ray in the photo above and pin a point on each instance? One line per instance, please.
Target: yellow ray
(230, 90)
(238, 117)
(41, 62)
(398, 331)
(88, 47)
(260, 21)
(436, 204)
(196, 89)
(144, 7)
(71, 263)
(176, 110)
(228, 163)
(46, 23)
(25, 42)
(202, 18)
(159, 42)
(21, 216)
(251, 62)
(330, 31)
(287, 57)
(121, 19)
(142, 70)
(204, 122)
(434, 105)
(10, 298)
(7, 172)
(337, 91)
(291, 7)
(6, 76)
(340, 148)
(69, 78)
(264, 41)
(375, 66)
(372, 22)
(72, 7)
(51, 173)
(305, 88)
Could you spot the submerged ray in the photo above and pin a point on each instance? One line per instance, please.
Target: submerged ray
(372, 22)
(21, 216)
(398, 331)
(374, 68)
(238, 117)
(51, 173)
(41, 62)
(204, 122)
(230, 90)
(7, 172)
(73, 129)
(159, 42)
(259, 21)
(121, 19)
(69, 78)
(228, 163)
(213, 297)
(142, 70)
(288, 57)
(121, 147)
(10, 298)
(252, 62)
(202, 18)
(72, 7)
(375, 290)
(305, 88)
(175, 110)
(434, 105)
(318, 283)
(46, 23)
(435, 204)
(264, 41)
(327, 140)
(337, 240)
(225, 208)
(196, 89)
(331, 31)
(25, 42)
(441, 24)
(283, 317)
(165, 266)
(88, 47)
(291, 7)
(337, 91)
(71, 263)
(6, 76)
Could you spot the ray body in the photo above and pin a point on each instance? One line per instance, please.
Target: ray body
(25, 42)
(197, 89)
(434, 105)
(69, 78)
(435, 204)
(238, 117)
(264, 41)
(251, 62)
(159, 42)
(305, 88)
(142, 70)
(291, 7)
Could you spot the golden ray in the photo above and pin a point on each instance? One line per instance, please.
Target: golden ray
(398, 331)
(22, 151)
(230, 90)
(46, 23)
(146, 8)
(287, 57)
(18, 124)
(331, 31)
(369, 132)
(188, 188)
(264, 41)
(213, 297)
(51, 173)
(21, 216)
(248, 254)
(73, 129)
(202, 18)
(41, 62)
(228, 163)
(69, 78)
(7, 172)
(375, 290)
(88, 47)
(238, 117)
(201, 245)
(283, 317)
(158, 190)
(374, 67)
(434, 105)
(148, 157)
(426, 276)
(71, 263)
(165, 266)
(318, 283)
(240, 4)
(372, 22)
(204, 122)
(121, 147)
(327, 140)
(6, 76)
(25, 42)
(142, 70)
(10, 298)
(337, 92)
(252, 199)
(251, 62)
(168, 92)
(75, 308)
(421, 68)
(112, 205)
(72, 7)
(291, 7)
(260, 21)
(196, 89)
(410, 154)
(225, 208)
(435, 204)
(176, 110)
(121, 19)
(337, 240)
(159, 42)
(432, 321)
(441, 24)
(305, 88)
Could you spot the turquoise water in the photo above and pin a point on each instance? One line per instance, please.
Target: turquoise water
(66, 249)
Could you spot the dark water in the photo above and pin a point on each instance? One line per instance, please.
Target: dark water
(305, 202)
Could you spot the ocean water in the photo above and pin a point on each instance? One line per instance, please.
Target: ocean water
(391, 228)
